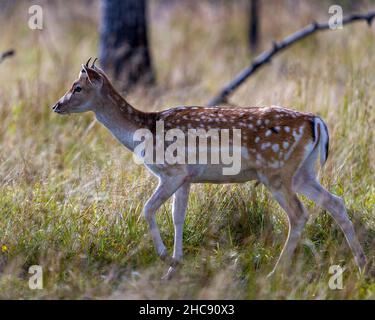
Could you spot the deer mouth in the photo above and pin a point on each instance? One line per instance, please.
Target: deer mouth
(57, 108)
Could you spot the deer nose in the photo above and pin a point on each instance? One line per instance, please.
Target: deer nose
(56, 107)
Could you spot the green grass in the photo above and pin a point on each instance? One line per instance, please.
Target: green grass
(71, 197)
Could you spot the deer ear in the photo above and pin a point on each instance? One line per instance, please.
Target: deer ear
(94, 77)
(83, 72)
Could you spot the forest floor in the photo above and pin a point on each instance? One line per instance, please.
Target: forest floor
(71, 197)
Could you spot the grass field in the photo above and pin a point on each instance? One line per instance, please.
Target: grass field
(71, 197)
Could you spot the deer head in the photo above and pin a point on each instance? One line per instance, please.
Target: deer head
(85, 92)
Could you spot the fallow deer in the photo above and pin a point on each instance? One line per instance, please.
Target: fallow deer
(279, 148)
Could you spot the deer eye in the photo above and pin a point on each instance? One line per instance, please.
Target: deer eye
(77, 89)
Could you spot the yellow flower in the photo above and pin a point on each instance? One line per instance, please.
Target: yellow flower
(4, 248)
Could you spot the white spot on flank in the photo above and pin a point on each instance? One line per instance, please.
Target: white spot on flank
(250, 126)
(297, 138)
(274, 164)
(275, 147)
(245, 153)
(285, 144)
(287, 129)
(259, 122)
(257, 139)
(267, 121)
(268, 133)
(265, 145)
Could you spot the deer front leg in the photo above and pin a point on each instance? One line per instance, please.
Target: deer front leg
(164, 190)
(180, 202)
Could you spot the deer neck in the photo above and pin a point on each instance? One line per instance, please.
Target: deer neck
(122, 119)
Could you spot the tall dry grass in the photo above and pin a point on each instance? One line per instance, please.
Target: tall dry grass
(71, 196)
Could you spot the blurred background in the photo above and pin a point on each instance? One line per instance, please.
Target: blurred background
(71, 196)
(162, 44)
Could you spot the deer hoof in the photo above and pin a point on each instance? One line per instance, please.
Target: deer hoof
(170, 273)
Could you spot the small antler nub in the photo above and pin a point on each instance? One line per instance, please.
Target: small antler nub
(87, 63)
(93, 64)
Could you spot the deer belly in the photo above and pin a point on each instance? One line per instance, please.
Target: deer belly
(216, 174)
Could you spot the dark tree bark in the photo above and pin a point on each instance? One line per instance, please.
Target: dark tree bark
(6, 54)
(266, 56)
(254, 25)
(124, 49)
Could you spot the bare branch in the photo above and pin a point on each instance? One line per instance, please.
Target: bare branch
(6, 54)
(266, 56)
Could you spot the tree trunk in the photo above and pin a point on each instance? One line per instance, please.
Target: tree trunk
(254, 25)
(124, 51)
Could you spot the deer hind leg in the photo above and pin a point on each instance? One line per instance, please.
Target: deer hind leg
(180, 202)
(165, 189)
(297, 218)
(310, 187)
